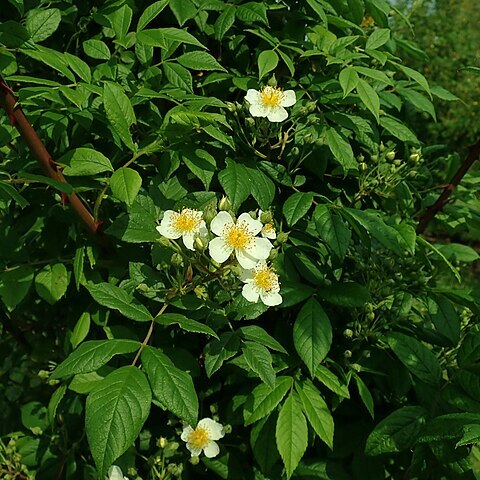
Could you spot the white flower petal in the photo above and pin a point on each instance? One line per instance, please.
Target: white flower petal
(211, 450)
(270, 234)
(246, 276)
(252, 96)
(188, 240)
(277, 114)
(165, 230)
(219, 250)
(168, 214)
(215, 429)
(245, 259)
(258, 110)
(250, 292)
(289, 98)
(221, 220)
(202, 229)
(187, 430)
(260, 248)
(115, 473)
(254, 226)
(194, 451)
(271, 299)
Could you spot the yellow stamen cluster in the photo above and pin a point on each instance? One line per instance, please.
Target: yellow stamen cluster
(186, 221)
(199, 438)
(238, 236)
(268, 228)
(266, 279)
(271, 96)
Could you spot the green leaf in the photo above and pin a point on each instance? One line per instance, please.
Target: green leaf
(316, 7)
(115, 413)
(13, 193)
(418, 100)
(183, 10)
(397, 432)
(150, 13)
(341, 150)
(259, 335)
(13, 34)
(291, 434)
(348, 80)
(252, 12)
(445, 318)
(201, 164)
(235, 182)
(51, 282)
(51, 58)
(199, 60)
(369, 97)
(346, 294)
(447, 427)
(121, 18)
(119, 112)
(55, 400)
(416, 357)
(331, 381)
(417, 77)
(332, 231)
(317, 412)
(264, 399)
(14, 285)
(171, 386)
(365, 395)
(224, 22)
(42, 23)
(96, 49)
(92, 355)
(296, 207)
(262, 441)
(185, 323)
(259, 360)
(178, 76)
(125, 184)
(218, 351)
(312, 335)
(81, 329)
(78, 66)
(398, 130)
(267, 61)
(443, 94)
(263, 189)
(85, 161)
(114, 297)
(377, 75)
(379, 37)
(161, 37)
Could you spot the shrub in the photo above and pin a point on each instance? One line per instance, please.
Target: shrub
(349, 350)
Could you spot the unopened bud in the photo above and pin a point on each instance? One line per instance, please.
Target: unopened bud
(357, 367)
(414, 157)
(43, 374)
(162, 442)
(227, 428)
(53, 382)
(363, 166)
(224, 204)
(230, 106)
(209, 213)
(250, 122)
(347, 354)
(310, 106)
(374, 158)
(360, 158)
(397, 162)
(194, 460)
(172, 468)
(282, 237)
(266, 217)
(164, 241)
(295, 152)
(177, 260)
(213, 408)
(199, 244)
(273, 254)
(390, 155)
(381, 147)
(348, 333)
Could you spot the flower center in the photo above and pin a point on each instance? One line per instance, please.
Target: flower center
(186, 221)
(199, 438)
(266, 279)
(268, 228)
(271, 96)
(238, 236)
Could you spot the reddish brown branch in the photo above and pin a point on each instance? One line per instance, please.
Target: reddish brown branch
(50, 168)
(427, 217)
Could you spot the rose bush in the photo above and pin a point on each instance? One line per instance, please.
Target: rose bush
(251, 190)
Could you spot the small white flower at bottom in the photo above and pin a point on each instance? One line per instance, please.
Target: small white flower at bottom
(203, 437)
(262, 282)
(270, 102)
(187, 224)
(115, 473)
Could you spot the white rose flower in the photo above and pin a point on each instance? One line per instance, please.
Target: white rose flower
(240, 237)
(187, 224)
(115, 473)
(261, 282)
(203, 437)
(270, 102)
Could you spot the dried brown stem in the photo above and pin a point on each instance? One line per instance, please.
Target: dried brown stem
(50, 168)
(428, 216)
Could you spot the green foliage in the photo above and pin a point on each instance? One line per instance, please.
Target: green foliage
(351, 353)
